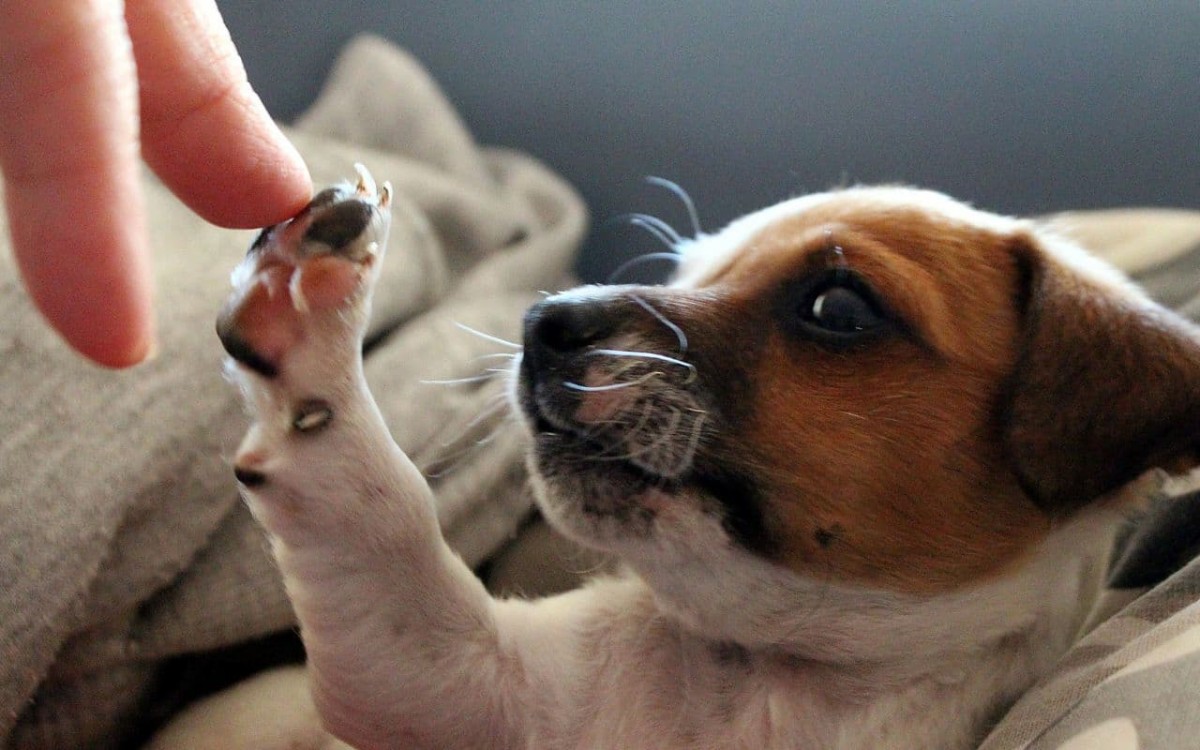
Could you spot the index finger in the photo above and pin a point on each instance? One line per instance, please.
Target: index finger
(204, 130)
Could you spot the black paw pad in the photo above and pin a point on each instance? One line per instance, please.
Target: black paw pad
(241, 351)
(340, 224)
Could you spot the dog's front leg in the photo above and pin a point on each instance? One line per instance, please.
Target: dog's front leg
(401, 638)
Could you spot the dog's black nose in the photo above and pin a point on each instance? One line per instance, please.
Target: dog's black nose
(563, 325)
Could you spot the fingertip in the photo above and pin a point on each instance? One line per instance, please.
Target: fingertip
(205, 131)
(127, 349)
(241, 170)
(278, 187)
(112, 324)
(115, 332)
(82, 251)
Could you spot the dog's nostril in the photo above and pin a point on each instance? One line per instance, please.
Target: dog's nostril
(565, 326)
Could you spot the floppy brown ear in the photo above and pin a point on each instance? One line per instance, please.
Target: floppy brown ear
(1107, 385)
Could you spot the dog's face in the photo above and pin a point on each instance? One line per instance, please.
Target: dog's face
(875, 387)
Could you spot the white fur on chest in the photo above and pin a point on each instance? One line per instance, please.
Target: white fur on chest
(856, 670)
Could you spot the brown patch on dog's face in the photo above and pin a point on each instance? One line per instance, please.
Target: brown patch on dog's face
(878, 453)
(878, 382)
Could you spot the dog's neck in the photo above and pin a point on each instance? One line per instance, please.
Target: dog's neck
(1029, 613)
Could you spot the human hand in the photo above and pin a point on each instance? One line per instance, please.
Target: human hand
(76, 78)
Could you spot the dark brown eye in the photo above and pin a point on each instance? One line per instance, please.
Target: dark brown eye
(842, 310)
(836, 307)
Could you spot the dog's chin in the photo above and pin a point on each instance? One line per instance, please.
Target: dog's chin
(599, 499)
(592, 489)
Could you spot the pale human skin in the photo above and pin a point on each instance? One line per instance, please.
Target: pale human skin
(89, 87)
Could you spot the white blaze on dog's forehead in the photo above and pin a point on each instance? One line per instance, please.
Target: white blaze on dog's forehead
(703, 256)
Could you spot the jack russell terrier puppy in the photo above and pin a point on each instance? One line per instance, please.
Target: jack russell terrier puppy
(857, 459)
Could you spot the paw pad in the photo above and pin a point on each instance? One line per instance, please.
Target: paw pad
(319, 261)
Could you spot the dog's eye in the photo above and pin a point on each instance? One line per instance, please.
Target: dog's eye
(842, 310)
(837, 308)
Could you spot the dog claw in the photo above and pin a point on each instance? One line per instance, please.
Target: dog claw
(366, 183)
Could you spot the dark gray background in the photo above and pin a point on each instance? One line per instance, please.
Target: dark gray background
(1018, 107)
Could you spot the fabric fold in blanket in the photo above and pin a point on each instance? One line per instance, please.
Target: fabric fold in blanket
(124, 542)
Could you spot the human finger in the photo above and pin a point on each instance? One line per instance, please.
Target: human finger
(204, 130)
(68, 152)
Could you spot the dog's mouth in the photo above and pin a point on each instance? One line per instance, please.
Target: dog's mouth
(606, 481)
(595, 479)
(561, 448)
(618, 416)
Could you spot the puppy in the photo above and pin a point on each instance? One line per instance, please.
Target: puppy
(860, 458)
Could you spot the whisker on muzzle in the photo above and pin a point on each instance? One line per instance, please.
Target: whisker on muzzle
(648, 355)
(680, 336)
(488, 336)
(662, 231)
(612, 386)
(469, 380)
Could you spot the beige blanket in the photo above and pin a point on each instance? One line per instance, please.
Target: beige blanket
(122, 539)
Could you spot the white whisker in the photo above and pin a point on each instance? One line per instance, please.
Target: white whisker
(488, 336)
(626, 366)
(616, 451)
(495, 355)
(637, 261)
(611, 386)
(442, 466)
(662, 231)
(463, 381)
(694, 440)
(679, 334)
(688, 203)
(665, 437)
(659, 228)
(646, 355)
(640, 425)
(498, 402)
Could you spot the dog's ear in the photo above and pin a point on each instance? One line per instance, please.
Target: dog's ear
(1107, 384)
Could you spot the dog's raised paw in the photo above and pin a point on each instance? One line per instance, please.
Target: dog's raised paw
(318, 264)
